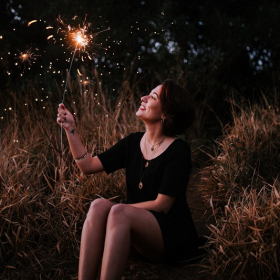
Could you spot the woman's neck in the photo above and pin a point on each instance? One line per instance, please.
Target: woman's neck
(154, 134)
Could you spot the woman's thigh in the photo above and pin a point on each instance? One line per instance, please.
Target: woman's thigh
(145, 231)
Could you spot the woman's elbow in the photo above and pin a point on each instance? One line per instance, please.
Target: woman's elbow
(85, 170)
(162, 208)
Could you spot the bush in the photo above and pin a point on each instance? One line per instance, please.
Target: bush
(244, 184)
(248, 153)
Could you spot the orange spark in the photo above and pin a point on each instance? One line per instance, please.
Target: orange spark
(80, 38)
(27, 56)
(32, 21)
(24, 57)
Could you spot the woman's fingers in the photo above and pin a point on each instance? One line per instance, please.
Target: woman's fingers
(62, 109)
(64, 117)
(61, 117)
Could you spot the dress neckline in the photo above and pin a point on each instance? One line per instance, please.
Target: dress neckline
(157, 155)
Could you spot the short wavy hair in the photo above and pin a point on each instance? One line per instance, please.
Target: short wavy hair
(178, 106)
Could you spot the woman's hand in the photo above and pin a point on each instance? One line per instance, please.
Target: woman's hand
(65, 118)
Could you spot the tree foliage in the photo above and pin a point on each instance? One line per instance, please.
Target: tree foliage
(210, 46)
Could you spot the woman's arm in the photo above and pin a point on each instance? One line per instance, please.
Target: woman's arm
(161, 203)
(86, 163)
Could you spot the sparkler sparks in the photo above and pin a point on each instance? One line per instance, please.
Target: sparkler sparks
(30, 22)
(80, 36)
(27, 56)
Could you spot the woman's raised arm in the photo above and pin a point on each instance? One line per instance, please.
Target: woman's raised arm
(86, 163)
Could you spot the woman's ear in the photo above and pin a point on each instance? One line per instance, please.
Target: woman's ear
(163, 116)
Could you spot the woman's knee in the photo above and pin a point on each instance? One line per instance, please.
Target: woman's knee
(118, 213)
(99, 207)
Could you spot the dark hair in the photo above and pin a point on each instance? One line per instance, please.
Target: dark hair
(178, 106)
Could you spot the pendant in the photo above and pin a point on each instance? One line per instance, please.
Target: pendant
(152, 148)
(147, 164)
(140, 185)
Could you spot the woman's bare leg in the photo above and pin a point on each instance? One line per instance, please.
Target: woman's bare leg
(93, 236)
(126, 226)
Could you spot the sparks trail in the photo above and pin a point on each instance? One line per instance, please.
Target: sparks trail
(32, 21)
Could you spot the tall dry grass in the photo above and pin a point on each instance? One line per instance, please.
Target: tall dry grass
(246, 238)
(248, 153)
(44, 197)
(243, 180)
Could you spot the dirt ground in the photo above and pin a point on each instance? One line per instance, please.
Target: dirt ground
(201, 212)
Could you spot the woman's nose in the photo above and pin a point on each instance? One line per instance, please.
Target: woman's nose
(144, 98)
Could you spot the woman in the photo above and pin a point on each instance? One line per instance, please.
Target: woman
(156, 221)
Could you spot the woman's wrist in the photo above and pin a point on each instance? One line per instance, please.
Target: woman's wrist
(72, 130)
(81, 158)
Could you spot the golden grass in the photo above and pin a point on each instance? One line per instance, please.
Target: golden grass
(246, 238)
(44, 198)
(248, 153)
(243, 181)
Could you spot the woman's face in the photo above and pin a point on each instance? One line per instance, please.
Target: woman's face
(151, 109)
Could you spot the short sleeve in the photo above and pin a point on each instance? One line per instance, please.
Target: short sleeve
(115, 157)
(177, 172)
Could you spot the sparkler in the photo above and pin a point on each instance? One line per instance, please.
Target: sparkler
(80, 38)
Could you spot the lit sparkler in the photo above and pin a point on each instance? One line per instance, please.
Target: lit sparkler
(80, 38)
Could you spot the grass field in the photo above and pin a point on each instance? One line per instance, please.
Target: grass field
(44, 197)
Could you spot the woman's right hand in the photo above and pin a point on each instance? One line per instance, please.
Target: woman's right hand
(65, 118)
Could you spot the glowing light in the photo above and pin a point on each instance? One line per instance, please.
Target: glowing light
(80, 38)
(27, 56)
(49, 37)
(32, 21)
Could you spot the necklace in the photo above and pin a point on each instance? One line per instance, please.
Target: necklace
(155, 145)
(140, 185)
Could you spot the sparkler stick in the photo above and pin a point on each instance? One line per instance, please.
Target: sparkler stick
(61, 131)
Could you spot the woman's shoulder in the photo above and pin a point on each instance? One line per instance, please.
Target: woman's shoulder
(180, 147)
(135, 136)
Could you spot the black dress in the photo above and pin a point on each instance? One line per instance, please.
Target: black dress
(166, 174)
